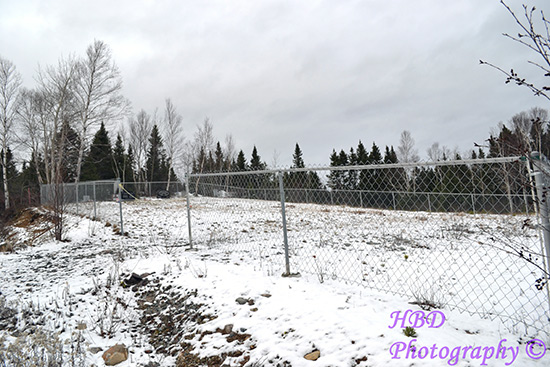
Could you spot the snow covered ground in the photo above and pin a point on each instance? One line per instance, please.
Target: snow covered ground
(360, 270)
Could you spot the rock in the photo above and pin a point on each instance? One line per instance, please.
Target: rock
(241, 300)
(251, 302)
(313, 356)
(81, 326)
(115, 355)
(227, 329)
(95, 350)
(266, 295)
(134, 279)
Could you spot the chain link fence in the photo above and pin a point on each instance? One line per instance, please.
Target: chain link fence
(461, 235)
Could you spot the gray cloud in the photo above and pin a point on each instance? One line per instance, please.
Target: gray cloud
(321, 73)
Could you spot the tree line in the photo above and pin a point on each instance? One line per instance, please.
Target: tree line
(62, 125)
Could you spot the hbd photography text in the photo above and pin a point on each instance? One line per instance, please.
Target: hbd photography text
(504, 351)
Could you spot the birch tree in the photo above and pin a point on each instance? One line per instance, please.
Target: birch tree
(98, 95)
(56, 85)
(29, 117)
(203, 144)
(10, 82)
(173, 136)
(407, 153)
(140, 129)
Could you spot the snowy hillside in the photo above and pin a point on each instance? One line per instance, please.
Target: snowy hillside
(225, 302)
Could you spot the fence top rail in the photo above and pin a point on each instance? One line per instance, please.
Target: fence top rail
(365, 167)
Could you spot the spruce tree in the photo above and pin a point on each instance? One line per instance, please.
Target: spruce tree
(219, 161)
(98, 162)
(362, 159)
(70, 148)
(241, 164)
(256, 163)
(119, 159)
(352, 175)
(156, 158)
(130, 175)
(297, 159)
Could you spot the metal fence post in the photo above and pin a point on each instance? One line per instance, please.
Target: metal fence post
(283, 213)
(120, 206)
(76, 196)
(95, 210)
(542, 199)
(188, 211)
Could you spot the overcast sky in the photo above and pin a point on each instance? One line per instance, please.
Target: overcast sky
(324, 74)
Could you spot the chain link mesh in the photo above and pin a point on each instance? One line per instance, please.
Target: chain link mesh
(461, 235)
(456, 235)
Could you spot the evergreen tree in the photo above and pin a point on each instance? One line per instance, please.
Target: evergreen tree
(119, 159)
(352, 175)
(314, 181)
(375, 157)
(362, 154)
(362, 159)
(219, 160)
(70, 147)
(394, 178)
(156, 158)
(377, 177)
(130, 175)
(256, 163)
(241, 164)
(28, 182)
(297, 159)
(337, 179)
(97, 164)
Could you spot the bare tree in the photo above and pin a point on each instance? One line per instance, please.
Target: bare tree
(56, 86)
(10, 82)
(437, 153)
(203, 145)
(98, 95)
(29, 117)
(229, 151)
(407, 153)
(140, 129)
(536, 37)
(539, 126)
(173, 136)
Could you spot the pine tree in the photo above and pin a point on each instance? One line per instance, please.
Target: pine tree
(97, 164)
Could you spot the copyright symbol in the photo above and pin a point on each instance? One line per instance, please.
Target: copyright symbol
(535, 349)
